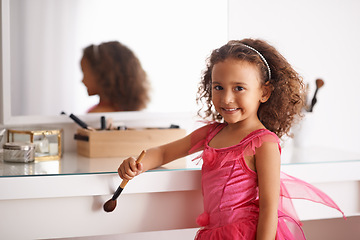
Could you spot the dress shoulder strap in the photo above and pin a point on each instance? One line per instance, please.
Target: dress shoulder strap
(200, 137)
(256, 138)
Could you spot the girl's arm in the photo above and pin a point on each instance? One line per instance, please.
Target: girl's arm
(267, 161)
(161, 155)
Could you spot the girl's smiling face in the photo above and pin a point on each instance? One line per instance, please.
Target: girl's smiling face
(237, 91)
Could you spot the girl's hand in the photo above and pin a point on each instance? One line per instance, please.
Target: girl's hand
(129, 168)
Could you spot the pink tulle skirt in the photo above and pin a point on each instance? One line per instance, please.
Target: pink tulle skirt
(245, 229)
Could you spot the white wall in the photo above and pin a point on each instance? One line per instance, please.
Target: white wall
(321, 40)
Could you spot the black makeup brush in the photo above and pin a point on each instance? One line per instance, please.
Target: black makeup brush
(103, 122)
(319, 84)
(110, 205)
(79, 122)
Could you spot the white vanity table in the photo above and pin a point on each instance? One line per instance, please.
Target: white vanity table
(65, 199)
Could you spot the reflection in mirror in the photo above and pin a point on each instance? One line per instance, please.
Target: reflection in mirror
(112, 71)
(171, 39)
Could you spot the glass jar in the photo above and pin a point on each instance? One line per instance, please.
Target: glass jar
(19, 152)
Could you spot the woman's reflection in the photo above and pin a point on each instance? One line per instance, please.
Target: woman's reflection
(112, 71)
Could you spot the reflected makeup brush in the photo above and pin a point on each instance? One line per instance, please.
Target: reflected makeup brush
(319, 84)
(110, 205)
(79, 122)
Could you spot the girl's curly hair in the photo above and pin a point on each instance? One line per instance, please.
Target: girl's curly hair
(120, 75)
(284, 106)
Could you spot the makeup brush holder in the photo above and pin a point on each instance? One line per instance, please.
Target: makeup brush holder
(122, 143)
(47, 143)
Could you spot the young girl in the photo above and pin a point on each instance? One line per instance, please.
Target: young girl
(253, 96)
(112, 71)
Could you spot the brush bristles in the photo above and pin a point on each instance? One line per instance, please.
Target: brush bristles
(319, 83)
(110, 205)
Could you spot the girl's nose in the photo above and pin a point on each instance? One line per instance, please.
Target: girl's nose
(228, 97)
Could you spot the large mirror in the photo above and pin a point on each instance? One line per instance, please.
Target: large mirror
(45, 39)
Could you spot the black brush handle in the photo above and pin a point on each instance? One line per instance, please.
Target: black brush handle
(313, 101)
(117, 193)
(103, 122)
(78, 121)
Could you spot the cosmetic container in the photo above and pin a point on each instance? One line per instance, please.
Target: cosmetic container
(19, 152)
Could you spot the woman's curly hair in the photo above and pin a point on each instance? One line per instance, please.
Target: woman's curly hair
(120, 75)
(286, 102)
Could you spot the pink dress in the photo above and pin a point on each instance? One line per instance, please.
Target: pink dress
(230, 191)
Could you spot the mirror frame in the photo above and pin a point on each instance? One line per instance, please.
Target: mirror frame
(5, 106)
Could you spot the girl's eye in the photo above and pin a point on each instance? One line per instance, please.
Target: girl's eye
(238, 88)
(218, 87)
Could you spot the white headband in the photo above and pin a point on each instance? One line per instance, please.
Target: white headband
(261, 56)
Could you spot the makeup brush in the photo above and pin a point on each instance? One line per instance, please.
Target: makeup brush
(319, 83)
(78, 121)
(110, 205)
(102, 123)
